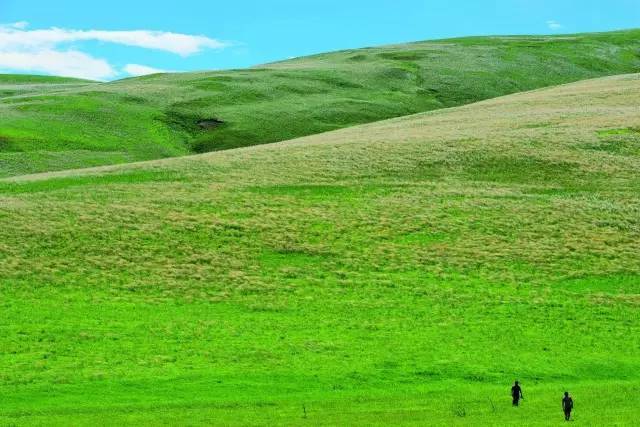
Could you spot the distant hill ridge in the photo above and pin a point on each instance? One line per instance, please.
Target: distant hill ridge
(52, 123)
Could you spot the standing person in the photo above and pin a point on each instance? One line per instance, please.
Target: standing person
(516, 394)
(567, 406)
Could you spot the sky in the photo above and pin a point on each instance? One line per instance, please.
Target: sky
(113, 39)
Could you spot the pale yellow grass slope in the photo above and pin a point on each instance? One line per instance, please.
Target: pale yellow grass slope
(554, 124)
(518, 187)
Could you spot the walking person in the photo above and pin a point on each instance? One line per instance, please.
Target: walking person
(516, 394)
(567, 406)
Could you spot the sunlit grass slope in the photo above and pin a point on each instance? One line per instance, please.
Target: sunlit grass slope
(17, 84)
(399, 272)
(157, 116)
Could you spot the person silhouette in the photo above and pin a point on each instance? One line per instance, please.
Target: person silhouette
(516, 394)
(567, 406)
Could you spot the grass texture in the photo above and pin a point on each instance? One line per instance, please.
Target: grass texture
(400, 272)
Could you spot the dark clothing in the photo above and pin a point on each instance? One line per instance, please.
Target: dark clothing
(567, 406)
(516, 393)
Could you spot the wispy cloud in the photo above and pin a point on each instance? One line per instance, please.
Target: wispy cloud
(21, 25)
(70, 63)
(43, 50)
(18, 37)
(141, 70)
(554, 25)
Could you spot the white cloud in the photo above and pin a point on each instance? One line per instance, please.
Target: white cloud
(22, 49)
(21, 25)
(16, 36)
(141, 70)
(67, 63)
(554, 25)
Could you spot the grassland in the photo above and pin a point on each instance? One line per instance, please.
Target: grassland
(405, 271)
(157, 116)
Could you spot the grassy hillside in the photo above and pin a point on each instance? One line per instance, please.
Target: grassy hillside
(399, 272)
(157, 116)
(12, 85)
(27, 79)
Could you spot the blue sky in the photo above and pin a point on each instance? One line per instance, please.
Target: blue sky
(116, 38)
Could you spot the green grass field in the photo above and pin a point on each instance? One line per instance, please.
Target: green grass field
(70, 124)
(400, 272)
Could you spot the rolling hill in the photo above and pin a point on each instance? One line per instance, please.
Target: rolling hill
(60, 124)
(399, 272)
(16, 85)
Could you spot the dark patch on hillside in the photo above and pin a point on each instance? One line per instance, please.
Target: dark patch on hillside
(4, 93)
(358, 58)
(199, 134)
(6, 145)
(210, 123)
(130, 99)
(410, 55)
